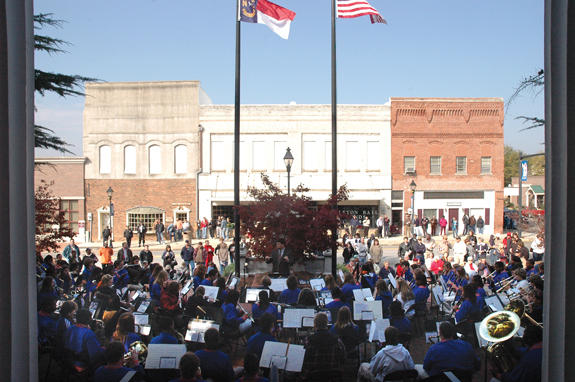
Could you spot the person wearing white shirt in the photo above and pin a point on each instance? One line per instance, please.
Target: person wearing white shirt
(379, 224)
(391, 358)
(538, 247)
(459, 251)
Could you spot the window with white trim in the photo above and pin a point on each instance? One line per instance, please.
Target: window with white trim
(259, 156)
(309, 156)
(486, 165)
(461, 165)
(181, 159)
(435, 165)
(105, 159)
(353, 155)
(155, 159)
(373, 156)
(408, 164)
(130, 159)
(280, 148)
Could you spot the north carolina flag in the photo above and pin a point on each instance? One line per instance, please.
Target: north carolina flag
(277, 18)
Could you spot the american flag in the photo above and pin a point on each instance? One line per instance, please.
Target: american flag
(347, 9)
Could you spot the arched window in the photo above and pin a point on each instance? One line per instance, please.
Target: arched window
(130, 160)
(105, 159)
(155, 159)
(181, 159)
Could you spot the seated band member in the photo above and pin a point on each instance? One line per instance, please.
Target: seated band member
(167, 333)
(480, 293)
(47, 322)
(346, 330)
(196, 304)
(256, 342)
(291, 294)
(529, 367)
(323, 351)
(449, 354)
(391, 358)
(232, 317)
(264, 306)
(470, 308)
(158, 286)
(347, 288)
(251, 370)
(189, 369)
(81, 341)
(306, 299)
(383, 294)
(125, 331)
(398, 319)
(114, 370)
(215, 364)
(500, 274)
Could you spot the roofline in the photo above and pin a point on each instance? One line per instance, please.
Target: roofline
(448, 99)
(60, 160)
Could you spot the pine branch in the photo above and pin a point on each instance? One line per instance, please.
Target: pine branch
(46, 19)
(61, 84)
(45, 139)
(533, 82)
(49, 44)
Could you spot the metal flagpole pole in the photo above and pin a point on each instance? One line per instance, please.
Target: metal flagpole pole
(333, 132)
(237, 147)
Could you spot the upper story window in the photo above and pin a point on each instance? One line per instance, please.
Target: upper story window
(352, 156)
(155, 159)
(408, 165)
(310, 152)
(105, 159)
(279, 152)
(461, 165)
(130, 160)
(486, 165)
(373, 156)
(181, 159)
(435, 165)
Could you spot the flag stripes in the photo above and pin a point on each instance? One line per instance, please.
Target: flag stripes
(355, 8)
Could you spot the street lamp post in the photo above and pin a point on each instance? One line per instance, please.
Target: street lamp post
(110, 192)
(412, 187)
(288, 160)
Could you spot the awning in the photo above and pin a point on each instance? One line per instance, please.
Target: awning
(145, 210)
(537, 190)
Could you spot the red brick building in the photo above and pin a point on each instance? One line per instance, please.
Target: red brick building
(66, 174)
(452, 148)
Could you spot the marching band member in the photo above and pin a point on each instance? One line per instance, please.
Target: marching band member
(189, 369)
(347, 288)
(406, 297)
(398, 319)
(214, 364)
(500, 274)
(529, 367)
(346, 330)
(480, 293)
(125, 331)
(167, 333)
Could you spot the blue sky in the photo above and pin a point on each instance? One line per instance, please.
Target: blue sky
(446, 48)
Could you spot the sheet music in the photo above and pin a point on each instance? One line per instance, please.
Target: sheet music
(392, 280)
(362, 294)
(293, 317)
(233, 283)
(161, 356)
(295, 355)
(211, 292)
(144, 330)
(493, 303)
(317, 284)
(141, 319)
(278, 285)
(340, 274)
(377, 330)
(135, 295)
(186, 288)
(128, 376)
(363, 306)
(252, 294)
(143, 306)
(451, 376)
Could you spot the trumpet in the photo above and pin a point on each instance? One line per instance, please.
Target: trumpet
(139, 348)
(500, 283)
(505, 284)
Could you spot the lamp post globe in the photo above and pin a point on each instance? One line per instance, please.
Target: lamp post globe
(288, 160)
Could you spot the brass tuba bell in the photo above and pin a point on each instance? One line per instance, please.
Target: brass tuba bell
(139, 348)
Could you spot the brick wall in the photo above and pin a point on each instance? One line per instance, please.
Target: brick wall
(165, 194)
(448, 128)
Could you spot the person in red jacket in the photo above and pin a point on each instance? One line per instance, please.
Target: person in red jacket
(443, 225)
(169, 299)
(436, 265)
(208, 253)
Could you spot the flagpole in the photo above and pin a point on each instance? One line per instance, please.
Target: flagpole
(333, 132)
(237, 146)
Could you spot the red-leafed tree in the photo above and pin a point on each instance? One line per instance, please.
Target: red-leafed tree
(51, 227)
(305, 227)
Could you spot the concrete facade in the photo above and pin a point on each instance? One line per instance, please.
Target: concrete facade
(141, 139)
(449, 128)
(364, 160)
(66, 174)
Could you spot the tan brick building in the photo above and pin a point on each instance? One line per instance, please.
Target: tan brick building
(142, 140)
(452, 148)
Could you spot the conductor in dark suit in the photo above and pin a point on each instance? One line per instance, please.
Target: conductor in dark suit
(125, 254)
(281, 257)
